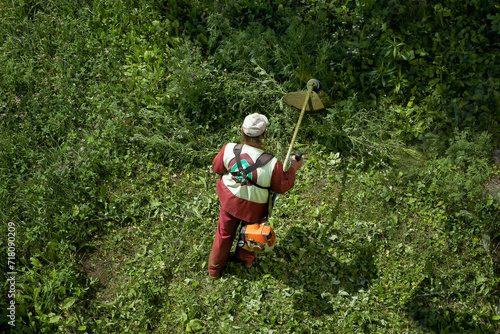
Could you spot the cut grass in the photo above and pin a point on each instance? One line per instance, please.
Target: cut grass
(349, 271)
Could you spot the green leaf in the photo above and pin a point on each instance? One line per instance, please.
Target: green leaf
(35, 262)
(495, 317)
(194, 325)
(54, 319)
(82, 328)
(76, 209)
(68, 302)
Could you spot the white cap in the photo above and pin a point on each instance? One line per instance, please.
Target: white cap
(254, 125)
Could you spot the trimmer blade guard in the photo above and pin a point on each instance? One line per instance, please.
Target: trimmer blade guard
(296, 100)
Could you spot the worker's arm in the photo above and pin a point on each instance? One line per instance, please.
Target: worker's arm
(282, 181)
(218, 164)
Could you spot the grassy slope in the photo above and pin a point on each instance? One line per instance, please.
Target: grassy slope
(345, 262)
(113, 240)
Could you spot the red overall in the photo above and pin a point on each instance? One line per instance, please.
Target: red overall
(235, 210)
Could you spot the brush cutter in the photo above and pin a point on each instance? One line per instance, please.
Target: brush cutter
(261, 237)
(306, 100)
(309, 101)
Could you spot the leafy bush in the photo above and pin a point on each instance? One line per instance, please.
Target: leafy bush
(112, 111)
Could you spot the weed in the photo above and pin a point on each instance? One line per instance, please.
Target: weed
(112, 111)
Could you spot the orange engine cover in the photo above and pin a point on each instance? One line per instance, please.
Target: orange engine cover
(257, 238)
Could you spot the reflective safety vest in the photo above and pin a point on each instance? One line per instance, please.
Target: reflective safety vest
(238, 184)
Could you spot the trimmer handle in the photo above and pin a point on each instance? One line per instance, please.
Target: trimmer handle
(298, 156)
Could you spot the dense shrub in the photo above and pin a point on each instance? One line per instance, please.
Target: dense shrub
(112, 111)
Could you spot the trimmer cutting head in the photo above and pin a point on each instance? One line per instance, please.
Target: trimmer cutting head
(314, 104)
(296, 100)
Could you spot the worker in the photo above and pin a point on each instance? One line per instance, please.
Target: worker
(241, 200)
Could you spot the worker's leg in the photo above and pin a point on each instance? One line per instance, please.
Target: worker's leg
(226, 231)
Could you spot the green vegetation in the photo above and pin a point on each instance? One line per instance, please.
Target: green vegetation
(112, 111)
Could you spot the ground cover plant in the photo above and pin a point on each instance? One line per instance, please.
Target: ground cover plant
(112, 111)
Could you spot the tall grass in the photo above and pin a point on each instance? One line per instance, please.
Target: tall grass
(112, 111)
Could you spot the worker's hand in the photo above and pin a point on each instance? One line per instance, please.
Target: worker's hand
(296, 164)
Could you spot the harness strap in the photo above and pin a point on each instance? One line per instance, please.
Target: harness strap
(262, 160)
